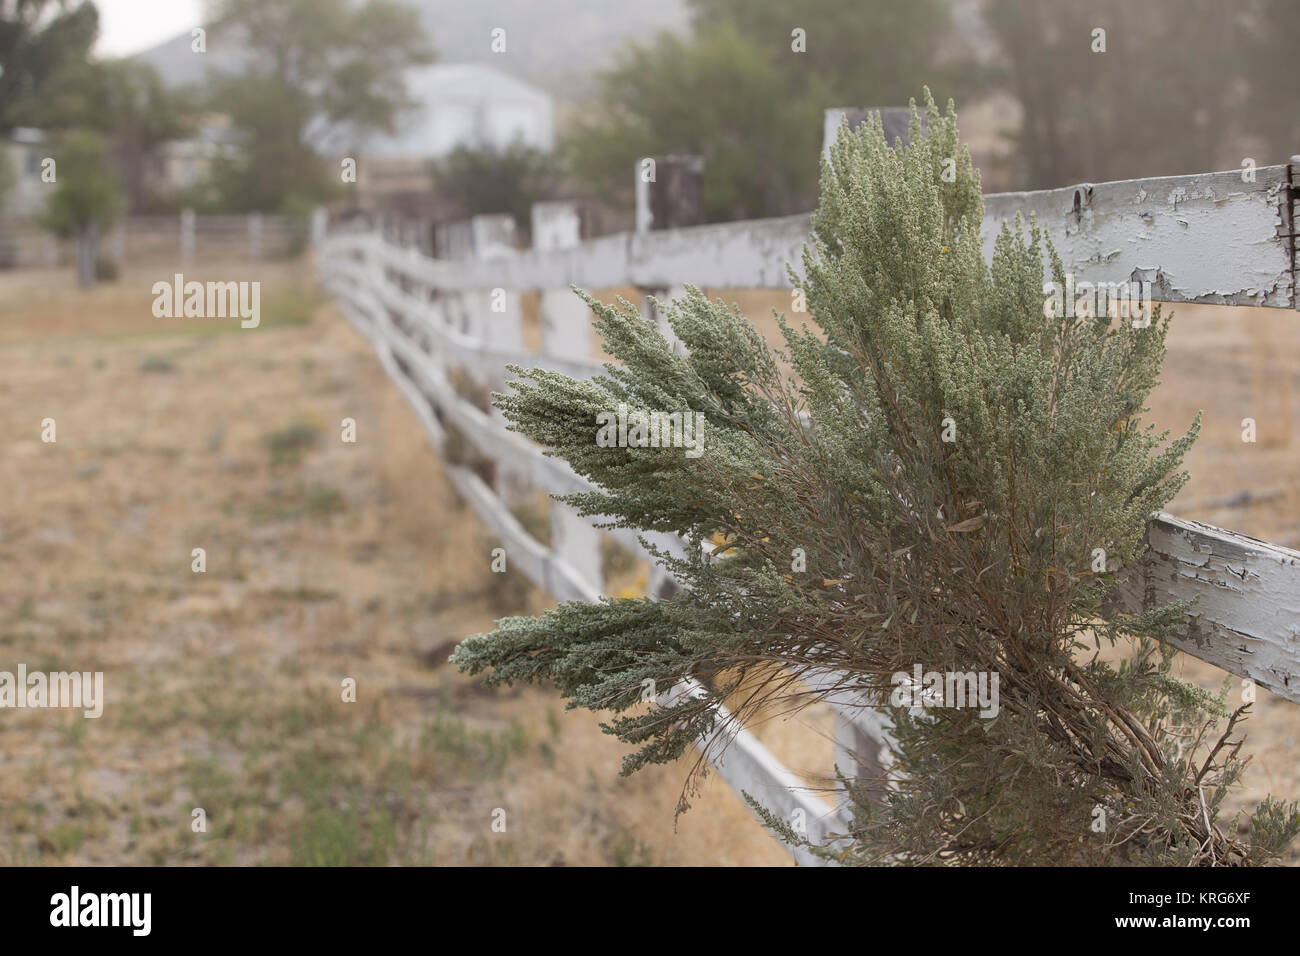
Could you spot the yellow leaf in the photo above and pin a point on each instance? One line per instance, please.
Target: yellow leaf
(970, 524)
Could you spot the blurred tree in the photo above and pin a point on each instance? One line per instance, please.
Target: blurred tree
(320, 74)
(1162, 99)
(865, 53)
(510, 180)
(129, 104)
(37, 39)
(86, 198)
(1270, 36)
(737, 93)
(276, 164)
(715, 95)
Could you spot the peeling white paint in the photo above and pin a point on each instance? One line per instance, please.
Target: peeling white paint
(1212, 240)
(1247, 595)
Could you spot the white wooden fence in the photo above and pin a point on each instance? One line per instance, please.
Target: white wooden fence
(186, 239)
(1211, 238)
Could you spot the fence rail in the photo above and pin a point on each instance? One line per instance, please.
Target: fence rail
(1208, 238)
(188, 239)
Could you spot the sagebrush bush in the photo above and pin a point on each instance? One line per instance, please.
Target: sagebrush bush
(948, 458)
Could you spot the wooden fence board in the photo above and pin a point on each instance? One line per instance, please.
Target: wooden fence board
(1247, 616)
(1207, 238)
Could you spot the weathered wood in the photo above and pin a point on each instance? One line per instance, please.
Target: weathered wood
(1207, 238)
(895, 121)
(674, 197)
(1247, 616)
(525, 554)
(748, 767)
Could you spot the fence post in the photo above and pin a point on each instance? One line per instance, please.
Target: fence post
(857, 756)
(896, 121)
(452, 241)
(117, 244)
(668, 192)
(672, 199)
(255, 235)
(320, 223)
(566, 333)
(426, 242)
(490, 237)
(565, 319)
(668, 196)
(187, 237)
(555, 225)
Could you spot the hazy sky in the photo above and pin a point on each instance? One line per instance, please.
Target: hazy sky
(128, 26)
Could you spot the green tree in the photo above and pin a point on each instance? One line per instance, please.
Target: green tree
(1269, 34)
(737, 93)
(86, 198)
(864, 53)
(320, 74)
(1163, 98)
(969, 554)
(509, 180)
(38, 38)
(129, 104)
(715, 95)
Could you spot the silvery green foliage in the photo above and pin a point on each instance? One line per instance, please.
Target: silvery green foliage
(966, 555)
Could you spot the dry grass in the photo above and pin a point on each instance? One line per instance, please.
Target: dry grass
(324, 561)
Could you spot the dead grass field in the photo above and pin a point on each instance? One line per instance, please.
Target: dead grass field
(327, 560)
(324, 561)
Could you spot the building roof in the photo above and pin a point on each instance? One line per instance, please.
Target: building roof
(463, 86)
(26, 135)
(470, 81)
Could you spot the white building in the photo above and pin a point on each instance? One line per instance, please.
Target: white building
(467, 104)
(23, 151)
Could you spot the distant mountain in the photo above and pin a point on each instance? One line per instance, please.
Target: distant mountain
(178, 64)
(556, 44)
(553, 43)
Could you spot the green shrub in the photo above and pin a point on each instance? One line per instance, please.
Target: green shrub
(287, 445)
(946, 458)
(157, 363)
